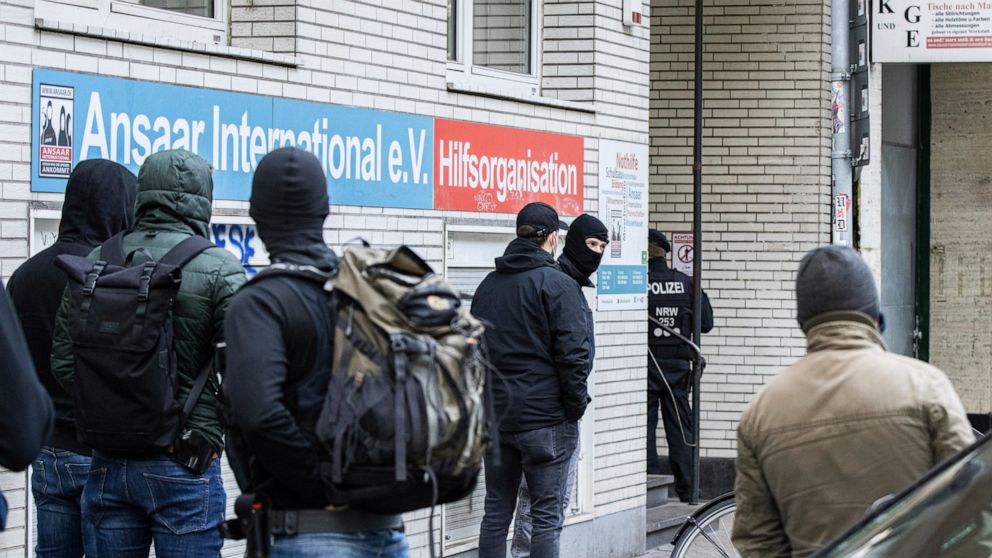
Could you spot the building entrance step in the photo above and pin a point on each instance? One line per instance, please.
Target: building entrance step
(661, 490)
(663, 522)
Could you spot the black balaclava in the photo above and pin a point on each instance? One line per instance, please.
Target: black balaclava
(834, 278)
(584, 226)
(289, 204)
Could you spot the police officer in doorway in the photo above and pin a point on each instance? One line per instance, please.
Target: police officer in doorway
(669, 372)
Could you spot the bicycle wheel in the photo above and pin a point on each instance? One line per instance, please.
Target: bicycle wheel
(707, 532)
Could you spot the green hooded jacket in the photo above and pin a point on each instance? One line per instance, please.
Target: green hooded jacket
(174, 202)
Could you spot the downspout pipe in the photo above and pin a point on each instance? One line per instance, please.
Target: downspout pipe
(697, 246)
(842, 189)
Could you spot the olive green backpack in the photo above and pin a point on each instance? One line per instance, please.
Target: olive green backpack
(406, 419)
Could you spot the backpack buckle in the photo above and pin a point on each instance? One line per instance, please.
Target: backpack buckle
(89, 285)
(397, 344)
(290, 523)
(146, 279)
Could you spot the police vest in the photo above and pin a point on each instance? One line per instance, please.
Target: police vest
(669, 302)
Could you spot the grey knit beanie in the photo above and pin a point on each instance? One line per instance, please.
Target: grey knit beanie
(833, 278)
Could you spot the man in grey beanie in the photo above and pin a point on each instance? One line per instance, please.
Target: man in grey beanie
(834, 278)
(844, 426)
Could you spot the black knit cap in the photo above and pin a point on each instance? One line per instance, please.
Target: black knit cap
(659, 239)
(833, 278)
(289, 190)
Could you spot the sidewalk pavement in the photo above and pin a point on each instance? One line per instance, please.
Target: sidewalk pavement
(661, 552)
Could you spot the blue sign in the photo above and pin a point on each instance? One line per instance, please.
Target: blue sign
(622, 279)
(370, 158)
(622, 287)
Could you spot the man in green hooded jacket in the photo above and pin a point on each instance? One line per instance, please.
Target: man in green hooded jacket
(135, 501)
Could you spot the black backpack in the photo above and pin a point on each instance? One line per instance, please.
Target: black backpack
(120, 323)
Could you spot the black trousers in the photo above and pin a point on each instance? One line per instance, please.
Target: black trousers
(676, 417)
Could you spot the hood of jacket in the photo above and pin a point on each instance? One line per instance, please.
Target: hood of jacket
(175, 192)
(99, 202)
(523, 255)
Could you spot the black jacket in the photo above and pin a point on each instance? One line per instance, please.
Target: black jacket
(279, 356)
(25, 409)
(99, 203)
(279, 362)
(536, 338)
(670, 301)
(582, 281)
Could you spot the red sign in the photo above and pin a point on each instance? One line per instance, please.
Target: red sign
(495, 169)
(52, 153)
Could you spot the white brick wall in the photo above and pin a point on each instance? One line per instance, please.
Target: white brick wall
(264, 24)
(568, 70)
(385, 56)
(766, 179)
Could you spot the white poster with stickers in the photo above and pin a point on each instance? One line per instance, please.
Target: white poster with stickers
(920, 32)
(623, 208)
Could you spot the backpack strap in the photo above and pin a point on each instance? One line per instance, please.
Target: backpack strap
(129, 259)
(89, 285)
(182, 253)
(177, 256)
(306, 272)
(194, 394)
(398, 349)
(111, 253)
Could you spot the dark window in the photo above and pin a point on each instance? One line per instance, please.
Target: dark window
(452, 29)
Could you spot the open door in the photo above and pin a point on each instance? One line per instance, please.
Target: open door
(901, 154)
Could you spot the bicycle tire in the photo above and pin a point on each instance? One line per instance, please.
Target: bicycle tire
(707, 532)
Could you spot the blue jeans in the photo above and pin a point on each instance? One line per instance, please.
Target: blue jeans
(135, 502)
(57, 480)
(522, 526)
(541, 457)
(366, 544)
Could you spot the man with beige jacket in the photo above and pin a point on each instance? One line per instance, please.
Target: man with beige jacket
(844, 426)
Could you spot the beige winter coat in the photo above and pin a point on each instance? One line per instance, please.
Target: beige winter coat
(845, 425)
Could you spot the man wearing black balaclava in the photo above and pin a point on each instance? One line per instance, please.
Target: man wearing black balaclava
(584, 246)
(279, 347)
(669, 373)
